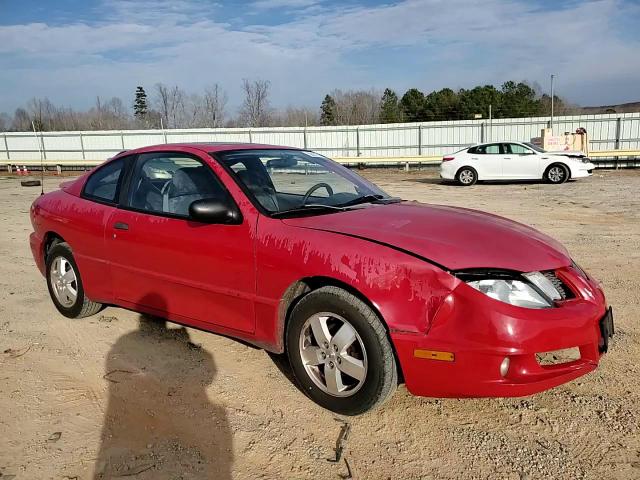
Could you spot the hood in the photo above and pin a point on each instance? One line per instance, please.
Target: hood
(454, 238)
(567, 153)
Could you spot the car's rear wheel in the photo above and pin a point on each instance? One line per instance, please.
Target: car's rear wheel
(467, 176)
(557, 173)
(65, 284)
(340, 353)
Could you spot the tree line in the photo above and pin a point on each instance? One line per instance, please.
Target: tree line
(172, 107)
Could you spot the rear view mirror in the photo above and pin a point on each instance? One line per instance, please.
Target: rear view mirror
(213, 210)
(286, 162)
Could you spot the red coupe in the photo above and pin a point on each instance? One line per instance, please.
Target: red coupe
(288, 250)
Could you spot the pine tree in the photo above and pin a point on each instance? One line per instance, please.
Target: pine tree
(328, 111)
(389, 108)
(412, 104)
(140, 103)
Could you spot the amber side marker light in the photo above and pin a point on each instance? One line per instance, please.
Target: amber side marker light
(434, 355)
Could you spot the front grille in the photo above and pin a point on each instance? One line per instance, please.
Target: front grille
(565, 292)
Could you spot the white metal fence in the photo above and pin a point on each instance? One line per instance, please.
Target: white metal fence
(606, 132)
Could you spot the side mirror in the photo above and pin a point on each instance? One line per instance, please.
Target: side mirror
(212, 210)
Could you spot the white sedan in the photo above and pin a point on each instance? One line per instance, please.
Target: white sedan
(513, 161)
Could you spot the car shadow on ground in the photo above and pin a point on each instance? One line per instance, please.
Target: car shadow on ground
(159, 422)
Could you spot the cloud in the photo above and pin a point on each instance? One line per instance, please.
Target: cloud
(274, 4)
(591, 46)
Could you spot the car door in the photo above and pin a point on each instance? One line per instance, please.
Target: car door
(487, 160)
(85, 226)
(520, 162)
(163, 261)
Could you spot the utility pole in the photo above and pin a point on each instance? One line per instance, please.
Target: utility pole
(552, 95)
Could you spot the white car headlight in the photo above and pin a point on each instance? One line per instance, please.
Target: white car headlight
(531, 290)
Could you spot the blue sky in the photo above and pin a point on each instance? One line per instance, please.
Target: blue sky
(73, 50)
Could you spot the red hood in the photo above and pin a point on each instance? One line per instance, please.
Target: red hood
(453, 237)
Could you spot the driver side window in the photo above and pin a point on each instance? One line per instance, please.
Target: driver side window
(168, 183)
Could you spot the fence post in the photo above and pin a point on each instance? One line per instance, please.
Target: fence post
(482, 132)
(357, 141)
(618, 132)
(250, 138)
(6, 146)
(122, 139)
(82, 146)
(419, 140)
(304, 136)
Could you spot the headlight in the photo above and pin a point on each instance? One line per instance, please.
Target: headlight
(528, 290)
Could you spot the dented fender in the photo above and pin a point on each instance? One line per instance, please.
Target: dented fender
(406, 291)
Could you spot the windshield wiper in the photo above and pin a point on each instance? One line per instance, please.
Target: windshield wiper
(310, 207)
(370, 199)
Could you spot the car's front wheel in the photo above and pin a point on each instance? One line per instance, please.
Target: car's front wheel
(467, 176)
(557, 173)
(339, 352)
(65, 284)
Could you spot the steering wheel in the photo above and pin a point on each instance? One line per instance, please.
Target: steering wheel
(326, 186)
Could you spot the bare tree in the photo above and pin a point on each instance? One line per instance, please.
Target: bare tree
(42, 112)
(296, 117)
(108, 115)
(5, 122)
(214, 104)
(255, 110)
(21, 121)
(171, 105)
(356, 107)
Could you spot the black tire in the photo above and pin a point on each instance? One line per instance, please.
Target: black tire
(467, 176)
(381, 378)
(30, 183)
(556, 173)
(83, 306)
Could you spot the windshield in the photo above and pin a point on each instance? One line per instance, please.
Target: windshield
(286, 180)
(535, 147)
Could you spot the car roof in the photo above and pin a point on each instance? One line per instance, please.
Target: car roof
(207, 147)
(497, 141)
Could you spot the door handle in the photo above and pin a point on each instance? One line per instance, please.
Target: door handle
(506, 158)
(121, 226)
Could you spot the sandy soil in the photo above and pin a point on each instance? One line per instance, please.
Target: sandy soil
(121, 396)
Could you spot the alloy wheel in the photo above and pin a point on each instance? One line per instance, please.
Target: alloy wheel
(556, 174)
(333, 354)
(64, 281)
(466, 177)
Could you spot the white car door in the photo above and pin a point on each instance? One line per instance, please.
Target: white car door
(487, 160)
(520, 162)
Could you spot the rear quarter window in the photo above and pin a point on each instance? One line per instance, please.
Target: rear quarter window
(102, 185)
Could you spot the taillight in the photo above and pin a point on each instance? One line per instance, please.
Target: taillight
(447, 159)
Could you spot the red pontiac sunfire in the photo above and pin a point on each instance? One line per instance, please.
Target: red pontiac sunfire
(288, 250)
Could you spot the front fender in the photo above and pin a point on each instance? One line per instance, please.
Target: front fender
(405, 290)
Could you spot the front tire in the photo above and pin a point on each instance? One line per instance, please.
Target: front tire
(467, 176)
(65, 284)
(339, 352)
(557, 173)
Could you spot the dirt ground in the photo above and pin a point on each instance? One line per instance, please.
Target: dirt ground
(121, 396)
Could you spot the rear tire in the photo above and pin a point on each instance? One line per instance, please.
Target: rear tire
(556, 173)
(339, 352)
(467, 176)
(65, 284)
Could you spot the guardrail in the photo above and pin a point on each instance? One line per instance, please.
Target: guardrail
(600, 158)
